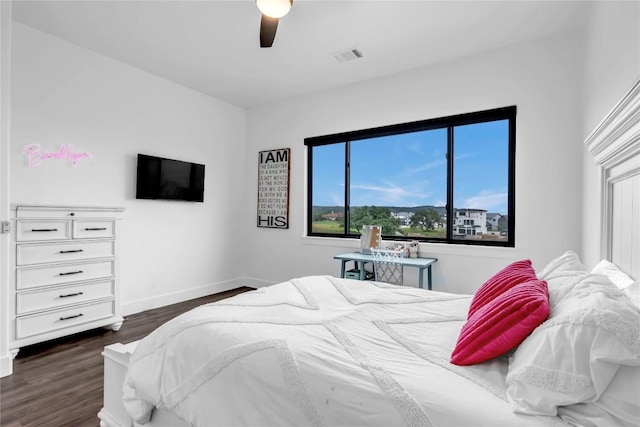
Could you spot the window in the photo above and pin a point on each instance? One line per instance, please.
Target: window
(447, 180)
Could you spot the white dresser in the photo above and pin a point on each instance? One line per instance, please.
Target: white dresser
(64, 272)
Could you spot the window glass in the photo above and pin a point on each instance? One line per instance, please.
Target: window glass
(328, 205)
(447, 180)
(481, 181)
(401, 176)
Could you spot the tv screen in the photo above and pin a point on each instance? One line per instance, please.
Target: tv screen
(167, 179)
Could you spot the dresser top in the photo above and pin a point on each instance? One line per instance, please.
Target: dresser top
(55, 211)
(20, 207)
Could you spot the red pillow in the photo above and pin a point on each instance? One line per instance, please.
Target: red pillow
(502, 324)
(517, 272)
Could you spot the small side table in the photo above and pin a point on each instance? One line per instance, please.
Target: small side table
(360, 260)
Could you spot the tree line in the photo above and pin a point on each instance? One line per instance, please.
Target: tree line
(423, 219)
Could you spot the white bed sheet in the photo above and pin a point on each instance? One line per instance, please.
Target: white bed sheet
(319, 351)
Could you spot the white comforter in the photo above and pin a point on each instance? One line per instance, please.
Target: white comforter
(320, 351)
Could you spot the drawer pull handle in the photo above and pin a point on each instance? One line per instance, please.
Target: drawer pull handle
(37, 230)
(71, 272)
(71, 317)
(72, 251)
(71, 295)
(96, 229)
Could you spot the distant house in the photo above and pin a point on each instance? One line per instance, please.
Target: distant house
(469, 222)
(332, 216)
(403, 217)
(493, 221)
(503, 223)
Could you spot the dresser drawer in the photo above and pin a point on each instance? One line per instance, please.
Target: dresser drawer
(93, 229)
(50, 298)
(49, 229)
(40, 253)
(68, 212)
(27, 326)
(31, 277)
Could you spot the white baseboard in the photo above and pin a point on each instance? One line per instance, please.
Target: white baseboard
(6, 365)
(157, 301)
(252, 282)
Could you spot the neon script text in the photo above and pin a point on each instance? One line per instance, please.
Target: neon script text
(36, 156)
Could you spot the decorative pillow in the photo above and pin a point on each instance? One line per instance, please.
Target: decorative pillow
(561, 275)
(513, 274)
(573, 356)
(613, 272)
(502, 324)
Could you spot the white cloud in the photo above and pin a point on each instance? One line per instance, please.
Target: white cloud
(465, 156)
(426, 166)
(388, 194)
(487, 200)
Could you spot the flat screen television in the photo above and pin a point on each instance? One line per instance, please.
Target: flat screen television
(167, 179)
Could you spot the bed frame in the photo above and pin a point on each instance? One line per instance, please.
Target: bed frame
(615, 147)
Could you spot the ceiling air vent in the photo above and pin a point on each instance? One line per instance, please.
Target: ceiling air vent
(347, 55)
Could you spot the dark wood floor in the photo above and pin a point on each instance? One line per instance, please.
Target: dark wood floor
(59, 383)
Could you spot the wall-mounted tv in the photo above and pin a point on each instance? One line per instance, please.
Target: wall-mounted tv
(168, 179)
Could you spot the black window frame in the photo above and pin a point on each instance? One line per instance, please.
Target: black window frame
(505, 113)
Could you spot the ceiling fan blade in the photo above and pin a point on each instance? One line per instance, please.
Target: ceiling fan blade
(268, 27)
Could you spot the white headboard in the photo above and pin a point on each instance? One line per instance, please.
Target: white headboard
(615, 146)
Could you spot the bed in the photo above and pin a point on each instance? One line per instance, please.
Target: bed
(320, 350)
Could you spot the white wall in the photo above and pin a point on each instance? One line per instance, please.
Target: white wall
(539, 77)
(612, 66)
(6, 361)
(63, 94)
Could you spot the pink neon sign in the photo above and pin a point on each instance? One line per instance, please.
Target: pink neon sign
(35, 155)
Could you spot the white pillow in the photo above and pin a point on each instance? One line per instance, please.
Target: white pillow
(618, 406)
(568, 261)
(613, 272)
(633, 292)
(573, 356)
(561, 275)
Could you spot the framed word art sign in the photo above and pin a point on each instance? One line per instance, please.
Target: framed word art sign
(273, 188)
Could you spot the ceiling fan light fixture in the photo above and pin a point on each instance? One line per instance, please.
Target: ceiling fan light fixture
(274, 8)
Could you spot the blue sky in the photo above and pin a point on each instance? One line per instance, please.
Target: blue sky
(410, 169)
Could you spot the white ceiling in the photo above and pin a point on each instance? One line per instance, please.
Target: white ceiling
(212, 46)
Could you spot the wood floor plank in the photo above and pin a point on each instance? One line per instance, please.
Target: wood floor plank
(59, 383)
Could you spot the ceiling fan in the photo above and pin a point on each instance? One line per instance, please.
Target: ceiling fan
(272, 11)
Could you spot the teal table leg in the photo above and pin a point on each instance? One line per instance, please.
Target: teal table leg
(429, 277)
(342, 268)
(420, 284)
